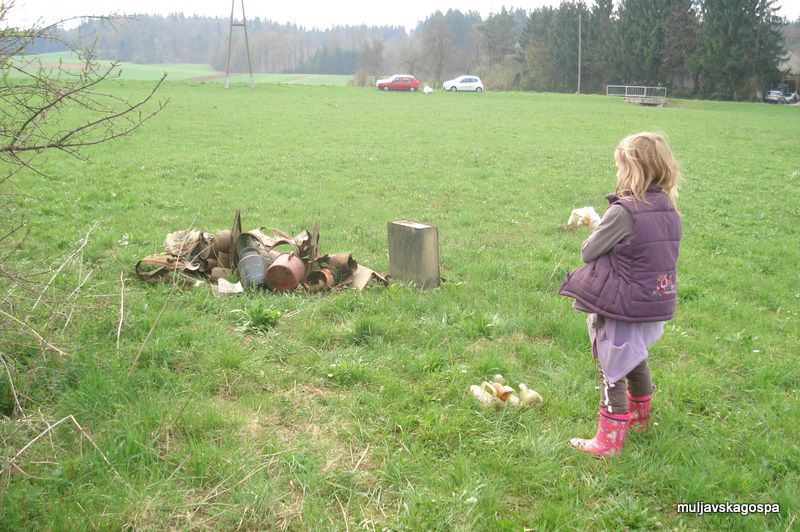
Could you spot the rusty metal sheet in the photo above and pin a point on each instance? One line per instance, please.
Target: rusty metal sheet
(363, 275)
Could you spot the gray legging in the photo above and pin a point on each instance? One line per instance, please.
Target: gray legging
(612, 394)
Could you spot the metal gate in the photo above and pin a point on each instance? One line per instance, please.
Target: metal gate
(639, 94)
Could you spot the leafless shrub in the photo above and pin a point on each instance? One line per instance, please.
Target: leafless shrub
(49, 107)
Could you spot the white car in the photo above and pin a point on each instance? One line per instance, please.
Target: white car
(775, 97)
(464, 83)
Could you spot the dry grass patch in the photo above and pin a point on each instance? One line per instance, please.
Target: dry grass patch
(290, 507)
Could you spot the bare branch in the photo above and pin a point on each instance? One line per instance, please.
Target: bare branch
(175, 278)
(34, 100)
(80, 429)
(40, 113)
(34, 93)
(65, 143)
(33, 333)
(84, 241)
(44, 107)
(17, 406)
(121, 305)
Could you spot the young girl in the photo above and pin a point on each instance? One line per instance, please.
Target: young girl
(628, 284)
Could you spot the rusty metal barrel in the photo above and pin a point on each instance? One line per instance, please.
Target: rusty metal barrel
(285, 273)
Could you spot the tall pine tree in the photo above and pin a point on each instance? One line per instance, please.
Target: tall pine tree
(741, 47)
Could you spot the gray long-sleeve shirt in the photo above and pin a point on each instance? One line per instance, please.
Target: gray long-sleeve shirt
(617, 223)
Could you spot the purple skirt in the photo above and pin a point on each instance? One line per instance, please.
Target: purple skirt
(620, 346)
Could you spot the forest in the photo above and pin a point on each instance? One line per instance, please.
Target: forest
(718, 49)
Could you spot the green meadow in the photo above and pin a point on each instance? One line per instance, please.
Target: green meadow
(351, 410)
(176, 71)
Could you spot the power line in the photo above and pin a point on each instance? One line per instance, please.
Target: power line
(243, 24)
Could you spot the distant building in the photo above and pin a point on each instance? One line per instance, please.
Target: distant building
(791, 66)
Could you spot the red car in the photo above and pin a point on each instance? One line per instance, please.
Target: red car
(398, 82)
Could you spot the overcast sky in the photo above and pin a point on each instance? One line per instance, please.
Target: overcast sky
(309, 13)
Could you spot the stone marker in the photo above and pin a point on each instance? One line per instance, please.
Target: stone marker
(414, 253)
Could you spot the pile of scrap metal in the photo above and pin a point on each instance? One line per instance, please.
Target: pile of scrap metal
(234, 261)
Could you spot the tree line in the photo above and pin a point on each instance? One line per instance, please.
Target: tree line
(726, 49)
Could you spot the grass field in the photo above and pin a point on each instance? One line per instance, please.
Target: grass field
(352, 412)
(184, 71)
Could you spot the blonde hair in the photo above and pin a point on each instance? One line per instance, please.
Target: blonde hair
(645, 158)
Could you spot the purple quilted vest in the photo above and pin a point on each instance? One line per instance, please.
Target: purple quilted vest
(635, 281)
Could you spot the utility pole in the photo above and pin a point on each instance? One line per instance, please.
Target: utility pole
(243, 24)
(580, 52)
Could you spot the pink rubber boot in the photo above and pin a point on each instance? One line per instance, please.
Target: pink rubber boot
(639, 409)
(611, 429)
